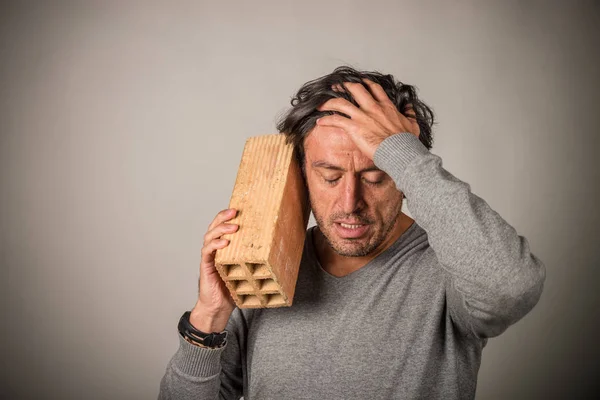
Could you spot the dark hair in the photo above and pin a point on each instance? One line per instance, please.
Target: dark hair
(298, 121)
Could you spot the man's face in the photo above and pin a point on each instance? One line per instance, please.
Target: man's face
(356, 205)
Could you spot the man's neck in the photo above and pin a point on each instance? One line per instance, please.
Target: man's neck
(338, 265)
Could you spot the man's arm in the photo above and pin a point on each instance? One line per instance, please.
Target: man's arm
(203, 373)
(494, 279)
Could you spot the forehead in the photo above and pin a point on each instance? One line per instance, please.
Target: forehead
(334, 146)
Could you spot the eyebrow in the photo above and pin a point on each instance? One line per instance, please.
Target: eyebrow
(326, 165)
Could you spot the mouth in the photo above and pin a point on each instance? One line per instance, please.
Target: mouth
(351, 231)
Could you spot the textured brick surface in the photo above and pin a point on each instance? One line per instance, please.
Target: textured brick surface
(260, 264)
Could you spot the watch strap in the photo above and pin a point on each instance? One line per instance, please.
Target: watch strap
(191, 334)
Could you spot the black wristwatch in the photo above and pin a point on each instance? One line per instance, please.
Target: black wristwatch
(187, 330)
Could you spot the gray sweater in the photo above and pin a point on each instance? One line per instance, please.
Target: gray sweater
(410, 324)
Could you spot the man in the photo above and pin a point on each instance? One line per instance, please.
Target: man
(385, 306)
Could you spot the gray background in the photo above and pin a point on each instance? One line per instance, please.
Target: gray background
(122, 126)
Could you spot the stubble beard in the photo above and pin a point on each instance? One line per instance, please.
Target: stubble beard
(347, 249)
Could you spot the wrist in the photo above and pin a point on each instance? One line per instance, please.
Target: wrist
(207, 321)
(212, 340)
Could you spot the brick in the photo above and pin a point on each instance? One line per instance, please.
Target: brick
(260, 265)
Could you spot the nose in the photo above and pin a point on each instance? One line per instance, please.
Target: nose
(352, 197)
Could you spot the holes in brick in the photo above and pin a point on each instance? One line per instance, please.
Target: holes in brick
(268, 286)
(275, 300)
(259, 271)
(250, 301)
(243, 287)
(234, 271)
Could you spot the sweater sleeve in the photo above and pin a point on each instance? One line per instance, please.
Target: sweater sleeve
(493, 279)
(200, 373)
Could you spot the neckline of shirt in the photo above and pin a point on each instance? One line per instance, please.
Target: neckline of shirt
(367, 267)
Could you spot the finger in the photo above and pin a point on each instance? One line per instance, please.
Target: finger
(341, 105)
(409, 118)
(362, 96)
(337, 88)
(219, 231)
(378, 93)
(222, 216)
(208, 251)
(416, 129)
(409, 112)
(337, 121)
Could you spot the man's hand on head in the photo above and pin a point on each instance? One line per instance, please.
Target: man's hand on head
(376, 118)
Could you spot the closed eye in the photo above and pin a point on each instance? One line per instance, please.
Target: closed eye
(333, 181)
(373, 182)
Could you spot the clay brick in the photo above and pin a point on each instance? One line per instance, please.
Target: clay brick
(260, 265)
